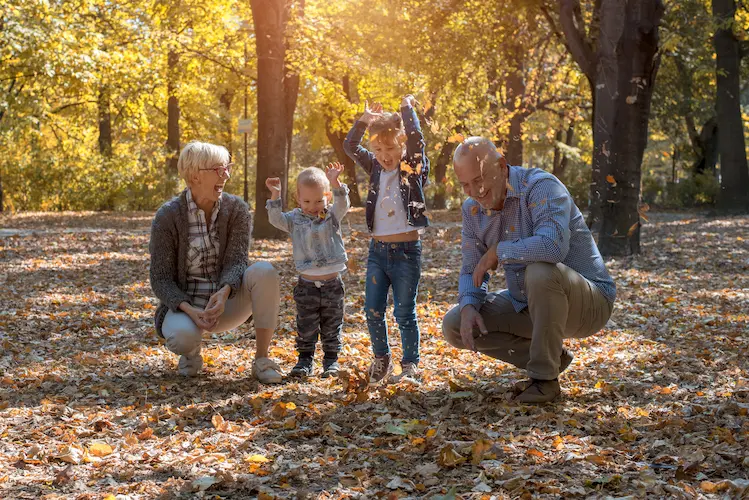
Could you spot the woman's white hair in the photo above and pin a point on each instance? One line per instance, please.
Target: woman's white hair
(200, 155)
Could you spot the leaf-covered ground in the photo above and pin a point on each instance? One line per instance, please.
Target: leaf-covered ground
(90, 406)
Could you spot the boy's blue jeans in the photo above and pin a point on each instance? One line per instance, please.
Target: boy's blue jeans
(397, 265)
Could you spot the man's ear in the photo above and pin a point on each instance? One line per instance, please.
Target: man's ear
(502, 163)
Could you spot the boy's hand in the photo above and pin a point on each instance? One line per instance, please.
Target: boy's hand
(332, 172)
(371, 113)
(408, 100)
(274, 185)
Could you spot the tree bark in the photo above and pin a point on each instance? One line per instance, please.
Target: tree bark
(336, 140)
(734, 173)
(270, 26)
(173, 112)
(515, 86)
(706, 147)
(440, 175)
(105, 121)
(226, 98)
(291, 94)
(561, 160)
(621, 65)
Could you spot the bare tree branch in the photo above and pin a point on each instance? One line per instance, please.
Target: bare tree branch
(579, 46)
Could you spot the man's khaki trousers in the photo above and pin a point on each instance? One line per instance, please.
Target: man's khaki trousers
(561, 304)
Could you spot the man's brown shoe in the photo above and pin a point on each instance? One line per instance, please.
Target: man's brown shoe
(540, 391)
(564, 363)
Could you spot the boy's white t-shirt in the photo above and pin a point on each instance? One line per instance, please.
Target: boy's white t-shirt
(390, 214)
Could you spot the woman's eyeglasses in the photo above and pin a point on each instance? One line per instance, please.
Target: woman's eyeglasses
(221, 170)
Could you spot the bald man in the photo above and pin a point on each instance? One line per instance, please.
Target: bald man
(524, 220)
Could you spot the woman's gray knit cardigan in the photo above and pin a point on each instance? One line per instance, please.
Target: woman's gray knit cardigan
(169, 247)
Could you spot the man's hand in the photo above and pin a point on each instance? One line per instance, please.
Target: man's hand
(488, 262)
(332, 172)
(470, 319)
(274, 186)
(197, 316)
(371, 113)
(409, 101)
(216, 304)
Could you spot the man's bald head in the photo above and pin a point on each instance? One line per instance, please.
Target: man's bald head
(477, 150)
(481, 171)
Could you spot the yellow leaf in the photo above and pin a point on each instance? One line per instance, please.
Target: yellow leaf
(100, 449)
(431, 433)
(256, 459)
(110, 497)
(709, 486)
(558, 443)
(456, 138)
(670, 300)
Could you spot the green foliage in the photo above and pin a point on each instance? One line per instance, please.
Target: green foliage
(700, 190)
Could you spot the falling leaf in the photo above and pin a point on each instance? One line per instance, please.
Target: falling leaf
(610, 179)
(605, 150)
(457, 137)
(633, 228)
(474, 210)
(374, 279)
(631, 99)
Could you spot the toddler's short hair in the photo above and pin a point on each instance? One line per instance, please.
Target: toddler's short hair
(314, 177)
(388, 129)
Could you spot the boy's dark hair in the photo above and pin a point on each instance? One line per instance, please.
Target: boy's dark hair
(388, 129)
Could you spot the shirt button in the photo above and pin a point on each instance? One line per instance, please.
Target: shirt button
(517, 274)
(393, 246)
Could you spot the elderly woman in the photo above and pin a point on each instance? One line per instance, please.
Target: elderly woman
(199, 266)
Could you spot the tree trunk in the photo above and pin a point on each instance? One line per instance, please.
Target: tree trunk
(706, 148)
(336, 140)
(621, 66)
(226, 98)
(561, 160)
(105, 121)
(515, 94)
(2, 199)
(269, 18)
(734, 173)
(440, 175)
(172, 122)
(291, 93)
